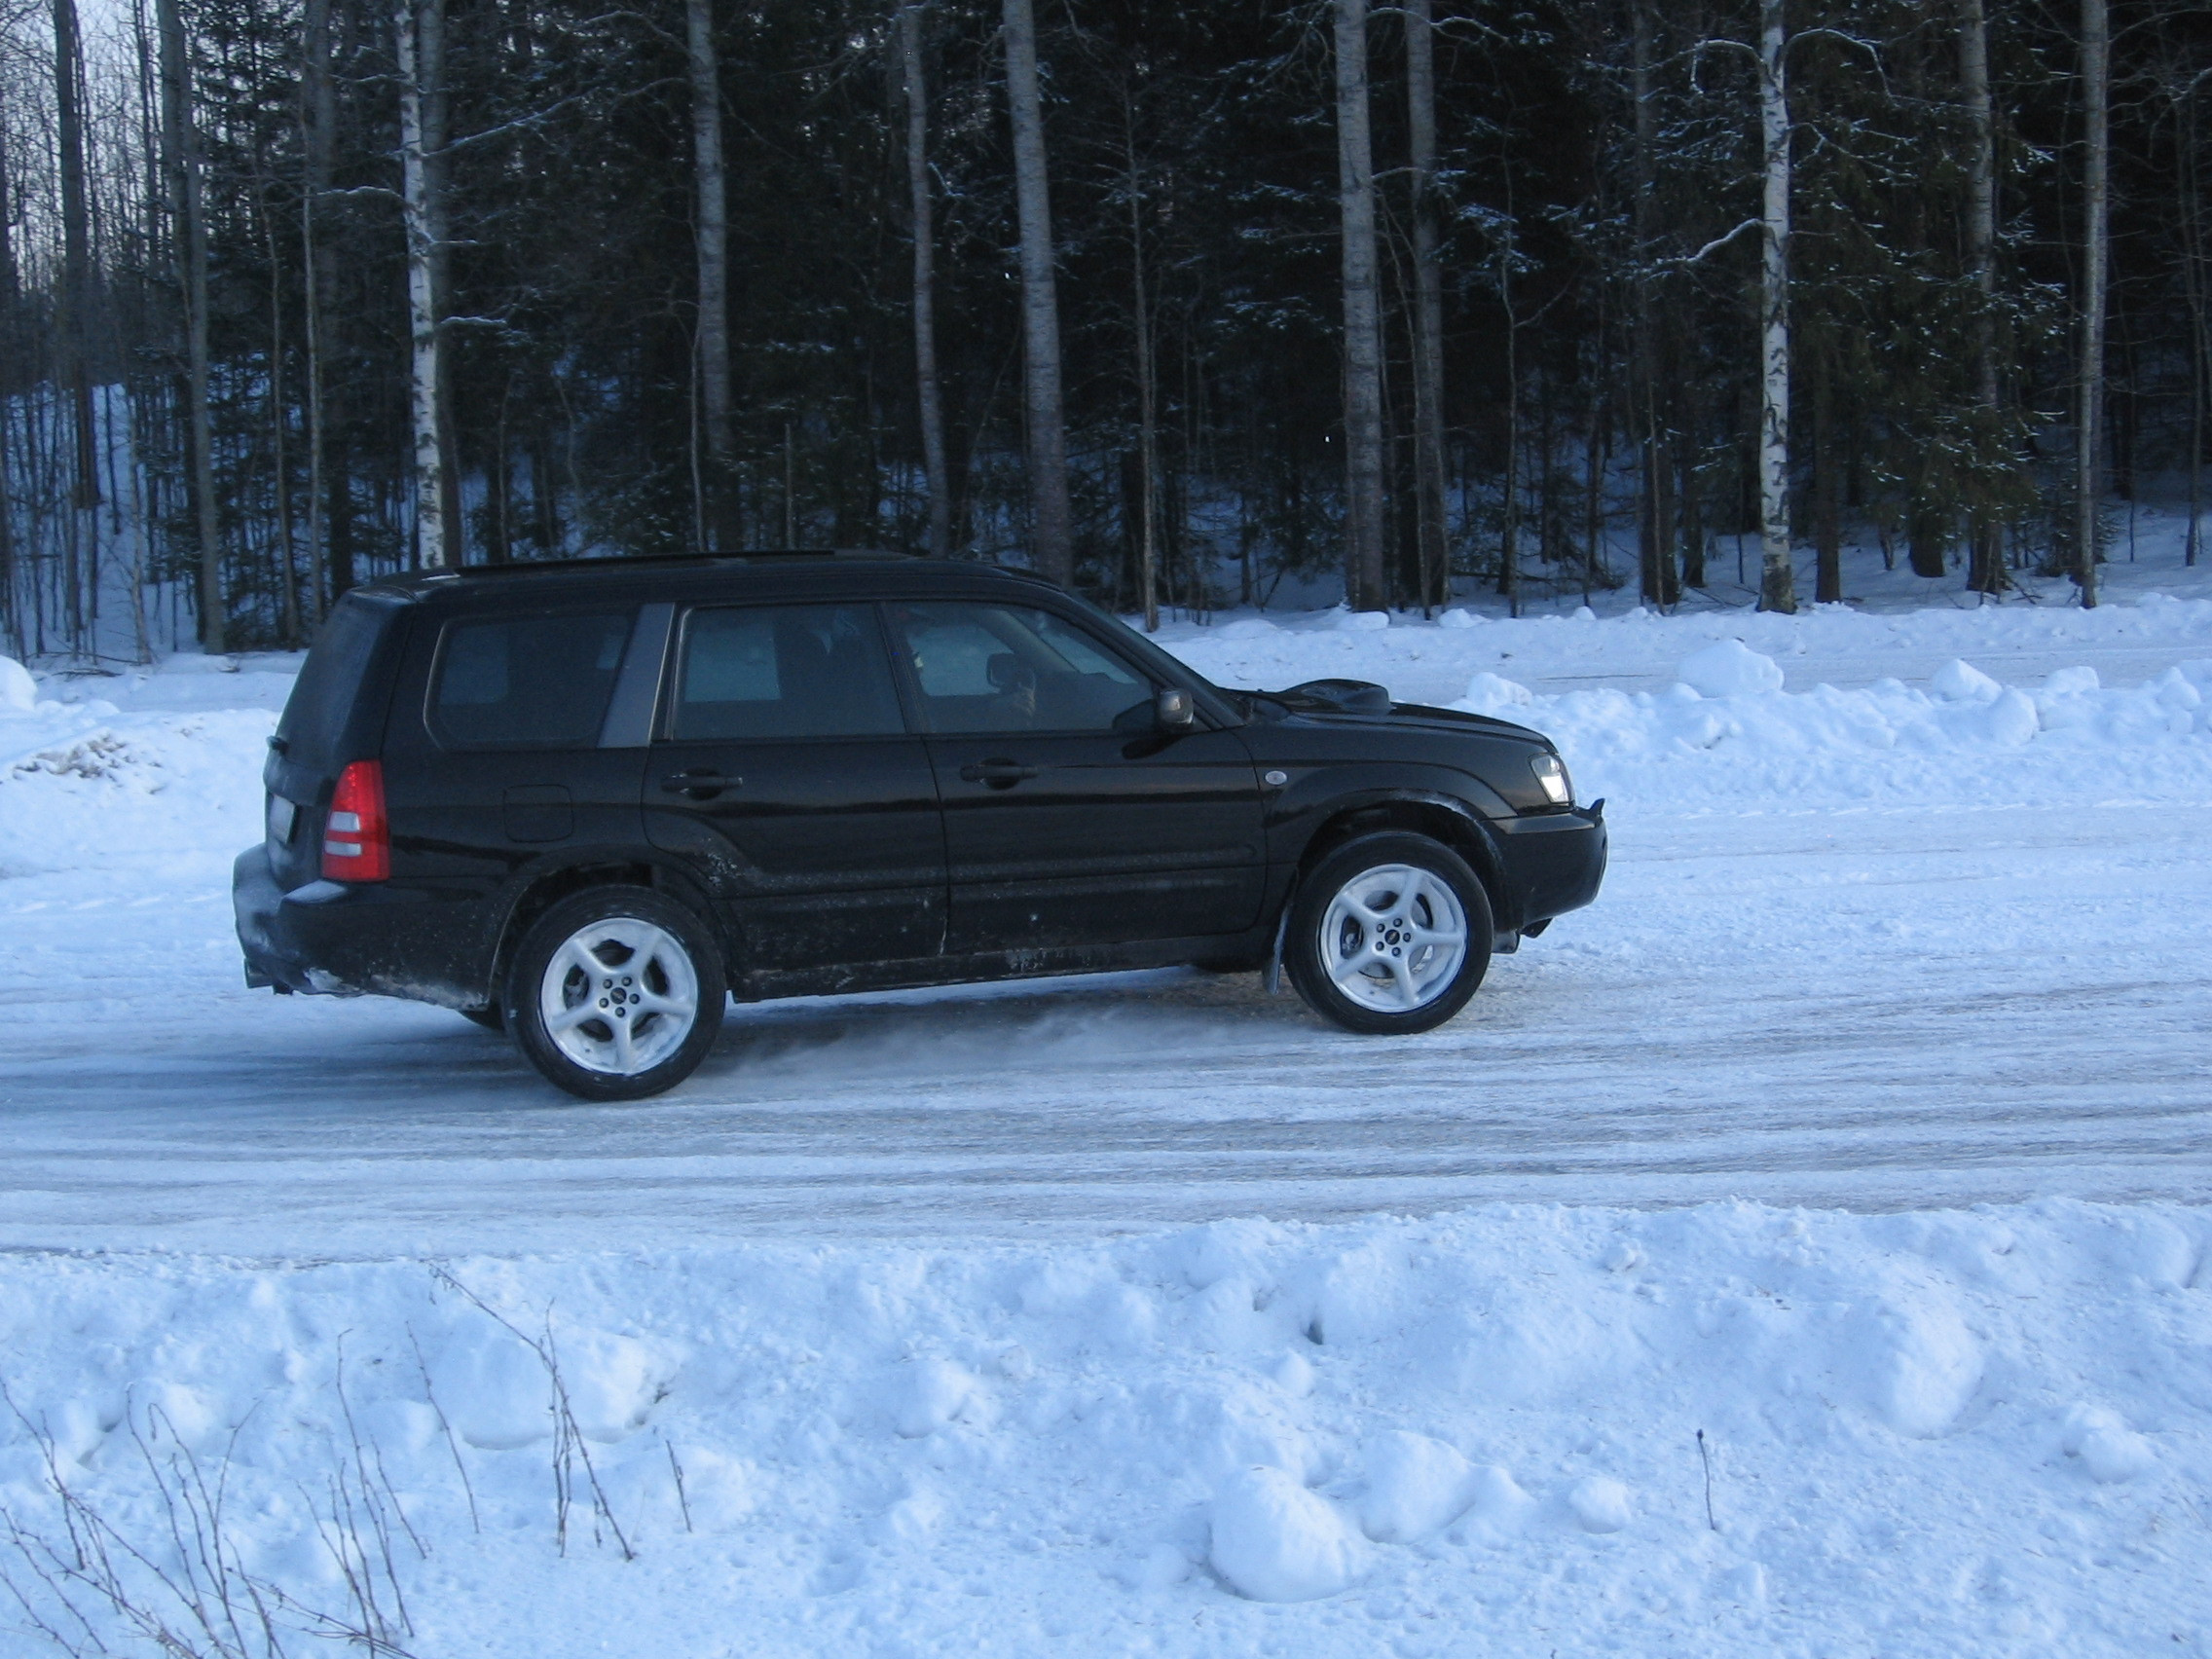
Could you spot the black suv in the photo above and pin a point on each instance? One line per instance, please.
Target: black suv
(586, 801)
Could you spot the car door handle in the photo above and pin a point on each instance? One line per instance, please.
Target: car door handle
(999, 774)
(700, 784)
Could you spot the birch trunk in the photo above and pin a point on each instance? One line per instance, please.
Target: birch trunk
(11, 292)
(716, 525)
(319, 117)
(1984, 532)
(426, 368)
(180, 144)
(1778, 582)
(1432, 552)
(1050, 529)
(923, 208)
(1364, 333)
(437, 214)
(2096, 233)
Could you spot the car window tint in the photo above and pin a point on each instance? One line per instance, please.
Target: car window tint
(529, 681)
(989, 668)
(785, 671)
(322, 698)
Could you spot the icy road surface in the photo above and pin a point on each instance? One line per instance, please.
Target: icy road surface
(1927, 966)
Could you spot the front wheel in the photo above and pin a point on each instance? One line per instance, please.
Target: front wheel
(1389, 935)
(615, 993)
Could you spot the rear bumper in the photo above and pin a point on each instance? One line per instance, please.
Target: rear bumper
(332, 937)
(1554, 861)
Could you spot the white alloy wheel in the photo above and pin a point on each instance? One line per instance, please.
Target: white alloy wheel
(1393, 938)
(619, 996)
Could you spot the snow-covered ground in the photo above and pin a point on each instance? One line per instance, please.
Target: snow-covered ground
(926, 1323)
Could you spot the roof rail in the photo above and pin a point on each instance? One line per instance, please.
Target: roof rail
(656, 561)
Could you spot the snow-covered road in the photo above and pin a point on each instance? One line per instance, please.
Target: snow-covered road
(886, 1334)
(1873, 1006)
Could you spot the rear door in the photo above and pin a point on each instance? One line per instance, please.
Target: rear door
(500, 754)
(785, 772)
(1069, 819)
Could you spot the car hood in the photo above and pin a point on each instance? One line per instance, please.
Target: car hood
(1307, 707)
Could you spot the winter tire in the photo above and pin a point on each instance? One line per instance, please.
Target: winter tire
(615, 993)
(1389, 935)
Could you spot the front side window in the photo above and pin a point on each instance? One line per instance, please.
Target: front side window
(767, 672)
(528, 682)
(990, 668)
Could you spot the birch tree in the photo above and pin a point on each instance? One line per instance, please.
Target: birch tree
(10, 346)
(714, 524)
(426, 360)
(922, 210)
(1051, 531)
(1778, 590)
(1363, 331)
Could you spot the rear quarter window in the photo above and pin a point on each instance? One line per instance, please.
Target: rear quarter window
(318, 715)
(527, 682)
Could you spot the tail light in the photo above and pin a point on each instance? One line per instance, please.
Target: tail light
(356, 844)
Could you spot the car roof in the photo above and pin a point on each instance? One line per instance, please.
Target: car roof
(684, 576)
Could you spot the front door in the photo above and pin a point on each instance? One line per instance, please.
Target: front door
(1069, 819)
(785, 772)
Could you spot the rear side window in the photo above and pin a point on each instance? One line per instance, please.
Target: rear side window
(314, 726)
(528, 682)
(785, 671)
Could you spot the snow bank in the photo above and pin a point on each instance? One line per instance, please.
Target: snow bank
(1727, 730)
(1926, 1434)
(89, 785)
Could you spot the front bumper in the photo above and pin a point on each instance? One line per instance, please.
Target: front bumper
(1554, 861)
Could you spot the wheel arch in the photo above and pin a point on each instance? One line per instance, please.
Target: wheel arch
(1452, 823)
(625, 867)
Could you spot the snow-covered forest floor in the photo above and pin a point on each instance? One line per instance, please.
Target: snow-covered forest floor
(946, 1322)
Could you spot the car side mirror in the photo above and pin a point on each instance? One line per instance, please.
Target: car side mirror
(1174, 709)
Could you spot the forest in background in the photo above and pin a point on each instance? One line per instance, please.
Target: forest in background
(1169, 300)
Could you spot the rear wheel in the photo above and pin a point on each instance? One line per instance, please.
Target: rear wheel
(615, 993)
(1389, 935)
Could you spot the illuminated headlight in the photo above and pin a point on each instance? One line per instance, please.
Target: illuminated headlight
(1550, 775)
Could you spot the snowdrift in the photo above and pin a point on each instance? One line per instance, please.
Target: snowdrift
(87, 786)
(1239, 1438)
(1727, 731)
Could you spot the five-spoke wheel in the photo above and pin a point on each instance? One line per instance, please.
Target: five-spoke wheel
(1389, 933)
(615, 993)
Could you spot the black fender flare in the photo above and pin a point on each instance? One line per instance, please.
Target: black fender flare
(539, 888)
(1467, 829)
